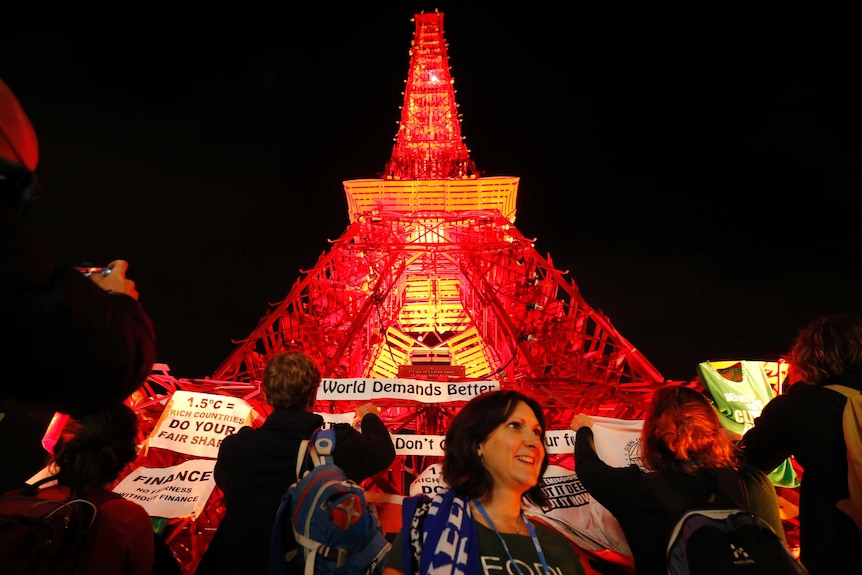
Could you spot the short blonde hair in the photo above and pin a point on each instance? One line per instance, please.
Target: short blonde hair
(290, 381)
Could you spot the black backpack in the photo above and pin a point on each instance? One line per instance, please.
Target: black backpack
(718, 537)
(45, 536)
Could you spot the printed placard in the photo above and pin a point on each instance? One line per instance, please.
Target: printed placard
(429, 482)
(330, 419)
(560, 442)
(556, 443)
(177, 491)
(411, 389)
(419, 444)
(195, 423)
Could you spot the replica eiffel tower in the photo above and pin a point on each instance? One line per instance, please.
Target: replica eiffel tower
(431, 279)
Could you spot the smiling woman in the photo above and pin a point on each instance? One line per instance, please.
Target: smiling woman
(494, 459)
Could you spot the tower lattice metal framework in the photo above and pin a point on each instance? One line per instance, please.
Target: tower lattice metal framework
(431, 271)
(431, 276)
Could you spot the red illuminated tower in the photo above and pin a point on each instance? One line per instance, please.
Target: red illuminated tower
(432, 277)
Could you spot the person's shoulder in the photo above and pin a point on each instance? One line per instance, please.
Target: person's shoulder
(236, 443)
(546, 531)
(554, 538)
(800, 389)
(753, 477)
(243, 434)
(122, 510)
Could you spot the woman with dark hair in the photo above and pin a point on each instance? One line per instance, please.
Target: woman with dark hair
(806, 422)
(682, 441)
(89, 456)
(494, 459)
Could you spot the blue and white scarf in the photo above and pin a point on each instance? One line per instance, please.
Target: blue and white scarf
(447, 525)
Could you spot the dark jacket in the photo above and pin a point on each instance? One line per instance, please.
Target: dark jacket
(806, 423)
(628, 494)
(255, 468)
(68, 346)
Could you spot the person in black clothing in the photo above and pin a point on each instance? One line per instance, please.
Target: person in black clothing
(256, 466)
(71, 344)
(806, 422)
(682, 439)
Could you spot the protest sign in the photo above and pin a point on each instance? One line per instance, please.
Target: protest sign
(411, 389)
(177, 491)
(429, 482)
(195, 423)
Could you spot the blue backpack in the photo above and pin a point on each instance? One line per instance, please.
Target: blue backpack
(325, 518)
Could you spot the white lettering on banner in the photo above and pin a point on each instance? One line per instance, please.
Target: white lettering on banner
(178, 491)
(195, 423)
(564, 492)
(419, 390)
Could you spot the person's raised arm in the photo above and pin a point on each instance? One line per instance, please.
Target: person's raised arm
(366, 452)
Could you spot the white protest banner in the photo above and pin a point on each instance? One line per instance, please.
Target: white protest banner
(178, 491)
(560, 442)
(618, 441)
(411, 389)
(419, 444)
(556, 443)
(330, 419)
(429, 482)
(570, 510)
(195, 423)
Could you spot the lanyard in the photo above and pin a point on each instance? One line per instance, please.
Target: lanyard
(532, 531)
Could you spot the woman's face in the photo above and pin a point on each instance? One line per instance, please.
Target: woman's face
(513, 452)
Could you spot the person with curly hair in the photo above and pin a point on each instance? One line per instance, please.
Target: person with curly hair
(806, 423)
(494, 458)
(256, 466)
(683, 446)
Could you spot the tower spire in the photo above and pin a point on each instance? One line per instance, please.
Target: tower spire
(429, 145)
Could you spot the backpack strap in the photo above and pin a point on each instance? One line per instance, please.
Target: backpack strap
(322, 446)
(851, 423)
(300, 457)
(316, 450)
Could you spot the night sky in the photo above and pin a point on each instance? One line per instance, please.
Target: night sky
(699, 175)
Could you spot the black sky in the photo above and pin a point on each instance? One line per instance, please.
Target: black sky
(698, 174)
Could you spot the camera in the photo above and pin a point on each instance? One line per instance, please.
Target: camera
(93, 270)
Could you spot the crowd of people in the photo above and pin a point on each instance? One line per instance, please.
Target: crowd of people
(65, 333)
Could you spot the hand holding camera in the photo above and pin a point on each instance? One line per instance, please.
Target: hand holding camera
(112, 278)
